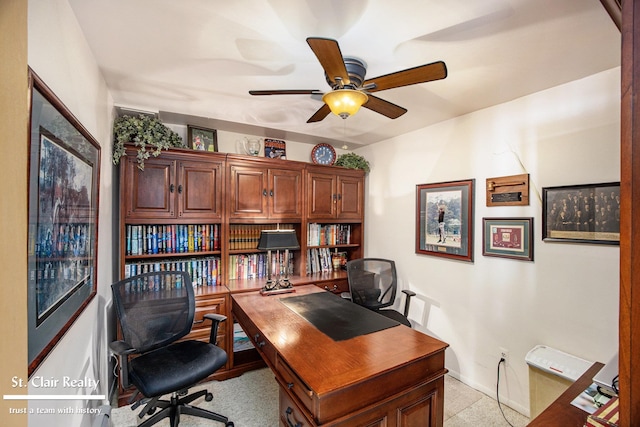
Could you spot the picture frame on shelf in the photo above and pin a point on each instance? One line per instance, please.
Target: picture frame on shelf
(444, 219)
(508, 238)
(582, 213)
(275, 148)
(64, 180)
(202, 139)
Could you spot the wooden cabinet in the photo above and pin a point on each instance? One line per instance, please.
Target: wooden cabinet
(172, 186)
(334, 193)
(217, 203)
(262, 190)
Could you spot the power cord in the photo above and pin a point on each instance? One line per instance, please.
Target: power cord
(498, 392)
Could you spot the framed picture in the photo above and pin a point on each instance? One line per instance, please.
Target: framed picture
(582, 213)
(508, 238)
(64, 176)
(202, 139)
(444, 219)
(275, 148)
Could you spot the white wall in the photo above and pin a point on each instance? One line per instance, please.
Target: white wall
(58, 53)
(568, 297)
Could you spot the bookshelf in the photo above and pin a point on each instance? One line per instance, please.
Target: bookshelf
(203, 212)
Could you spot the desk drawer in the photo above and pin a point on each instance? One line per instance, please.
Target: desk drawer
(294, 384)
(290, 414)
(209, 305)
(335, 286)
(261, 344)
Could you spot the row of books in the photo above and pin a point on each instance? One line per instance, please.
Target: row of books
(254, 266)
(328, 234)
(173, 238)
(203, 271)
(319, 260)
(62, 241)
(247, 236)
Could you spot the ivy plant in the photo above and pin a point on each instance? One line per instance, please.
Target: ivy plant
(147, 133)
(353, 161)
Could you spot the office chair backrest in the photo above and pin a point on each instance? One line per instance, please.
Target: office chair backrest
(154, 309)
(372, 282)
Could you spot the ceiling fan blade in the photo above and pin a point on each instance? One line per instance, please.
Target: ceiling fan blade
(320, 114)
(383, 107)
(411, 76)
(286, 92)
(328, 53)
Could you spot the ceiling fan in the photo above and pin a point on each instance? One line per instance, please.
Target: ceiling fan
(350, 90)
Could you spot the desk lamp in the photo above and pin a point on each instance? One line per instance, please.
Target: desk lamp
(277, 240)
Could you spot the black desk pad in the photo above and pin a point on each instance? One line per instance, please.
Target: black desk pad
(338, 318)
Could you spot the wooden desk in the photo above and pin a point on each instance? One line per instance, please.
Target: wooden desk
(561, 413)
(392, 378)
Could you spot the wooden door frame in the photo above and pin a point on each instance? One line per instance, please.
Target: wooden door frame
(629, 323)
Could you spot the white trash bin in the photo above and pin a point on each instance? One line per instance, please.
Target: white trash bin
(551, 372)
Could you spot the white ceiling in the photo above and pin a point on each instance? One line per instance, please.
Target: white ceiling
(194, 61)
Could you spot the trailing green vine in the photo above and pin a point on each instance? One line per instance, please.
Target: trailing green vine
(147, 133)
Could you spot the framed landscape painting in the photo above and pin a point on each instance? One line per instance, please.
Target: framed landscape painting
(444, 219)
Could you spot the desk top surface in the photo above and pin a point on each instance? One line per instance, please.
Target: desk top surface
(319, 359)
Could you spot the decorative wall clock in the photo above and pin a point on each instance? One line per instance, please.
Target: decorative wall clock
(323, 154)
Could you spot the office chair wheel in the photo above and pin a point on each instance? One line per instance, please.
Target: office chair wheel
(150, 411)
(208, 397)
(229, 424)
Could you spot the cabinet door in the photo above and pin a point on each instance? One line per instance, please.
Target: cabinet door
(322, 196)
(199, 189)
(249, 194)
(285, 193)
(149, 193)
(350, 197)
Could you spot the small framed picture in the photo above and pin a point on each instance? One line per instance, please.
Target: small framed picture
(444, 219)
(582, 213)
(508, 238)
(202, 139)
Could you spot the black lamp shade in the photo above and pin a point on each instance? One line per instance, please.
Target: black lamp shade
(273, 240)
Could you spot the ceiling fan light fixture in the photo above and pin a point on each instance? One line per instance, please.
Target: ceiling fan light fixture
(345, 102)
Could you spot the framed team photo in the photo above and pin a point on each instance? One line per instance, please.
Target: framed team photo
(582, 213)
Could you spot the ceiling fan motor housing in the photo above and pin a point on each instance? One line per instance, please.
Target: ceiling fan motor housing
(356, 69)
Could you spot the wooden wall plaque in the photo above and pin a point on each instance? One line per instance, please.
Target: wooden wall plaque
(508, 190)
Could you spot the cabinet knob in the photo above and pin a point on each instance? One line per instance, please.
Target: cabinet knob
(264, 192)
(171, 188)
(180, 189)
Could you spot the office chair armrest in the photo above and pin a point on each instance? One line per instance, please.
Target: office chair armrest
(123, 349)
(409, 294)
(216, 319)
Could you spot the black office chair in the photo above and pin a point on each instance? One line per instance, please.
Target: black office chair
(373, 283)
(155, 310)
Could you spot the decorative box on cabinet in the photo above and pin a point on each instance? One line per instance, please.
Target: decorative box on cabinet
(265, 189)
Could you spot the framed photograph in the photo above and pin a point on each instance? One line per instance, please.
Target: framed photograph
(64, 176)
(275, 148)
(444, 219)
(202, 139)
(582, 213)
(508, 238)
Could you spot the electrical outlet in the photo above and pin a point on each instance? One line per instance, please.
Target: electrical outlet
(504, 354)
